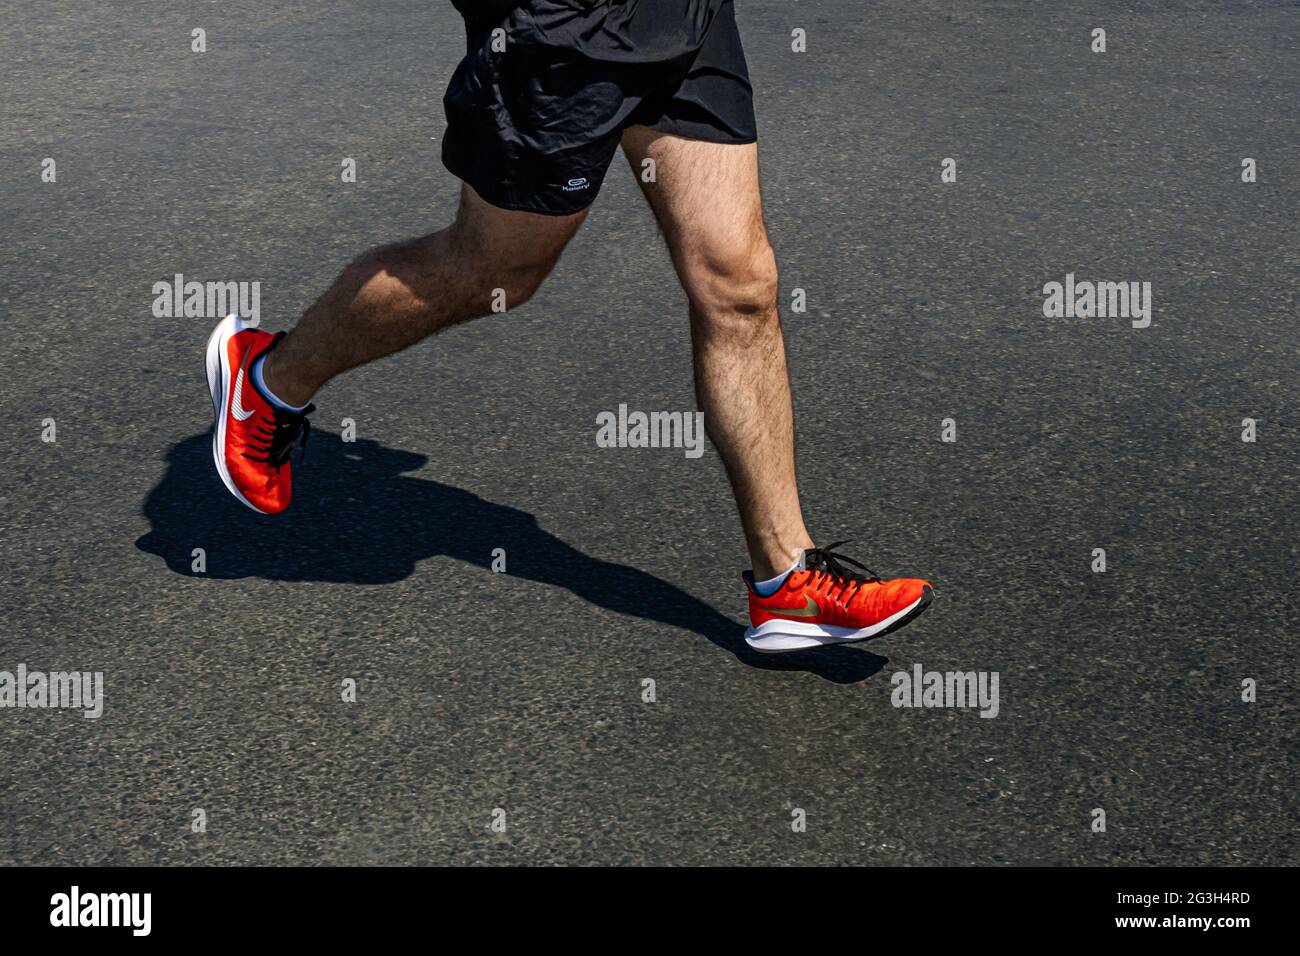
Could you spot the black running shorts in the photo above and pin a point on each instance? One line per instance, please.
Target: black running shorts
(536, 109)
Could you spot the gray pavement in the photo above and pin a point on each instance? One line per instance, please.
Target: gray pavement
(523, 691)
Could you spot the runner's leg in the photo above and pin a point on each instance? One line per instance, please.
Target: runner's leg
(706, 198)
(395, 295)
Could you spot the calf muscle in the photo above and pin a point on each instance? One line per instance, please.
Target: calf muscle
(395, 295)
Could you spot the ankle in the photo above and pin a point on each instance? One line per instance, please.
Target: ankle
(773, 559)
(280, 385)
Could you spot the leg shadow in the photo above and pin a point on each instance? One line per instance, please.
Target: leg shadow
(358, 518)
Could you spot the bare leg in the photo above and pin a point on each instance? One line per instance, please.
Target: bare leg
(707, 200)
(394, 296)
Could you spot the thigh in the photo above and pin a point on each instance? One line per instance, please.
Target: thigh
(707, 200)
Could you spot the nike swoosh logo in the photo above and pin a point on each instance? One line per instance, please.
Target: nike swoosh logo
(810, 609)
(237, 407)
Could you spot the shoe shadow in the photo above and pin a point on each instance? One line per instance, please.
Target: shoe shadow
(358, 518)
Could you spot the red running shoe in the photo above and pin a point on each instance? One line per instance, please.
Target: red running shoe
(252, 438)
(825, 602)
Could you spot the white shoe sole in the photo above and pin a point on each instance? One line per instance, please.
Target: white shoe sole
(218, 367)
(781, 636)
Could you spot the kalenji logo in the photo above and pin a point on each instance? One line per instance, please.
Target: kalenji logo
(573, 185)
(103, 909)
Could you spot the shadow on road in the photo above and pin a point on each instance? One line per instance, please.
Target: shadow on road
(357, 518)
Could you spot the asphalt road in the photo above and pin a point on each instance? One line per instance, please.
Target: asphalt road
(1119, 691)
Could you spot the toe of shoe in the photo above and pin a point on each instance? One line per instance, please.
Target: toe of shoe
(906, 591)
(264, 498)
(272, 506)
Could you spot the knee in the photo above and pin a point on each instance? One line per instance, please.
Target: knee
(452, 265)
(734, 293)
(513, 274)
(519, 281)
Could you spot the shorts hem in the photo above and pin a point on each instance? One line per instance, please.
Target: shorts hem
(702, 134)
(508, 198)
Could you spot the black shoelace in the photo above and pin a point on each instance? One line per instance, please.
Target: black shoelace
(827, 561)
(279, 434)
